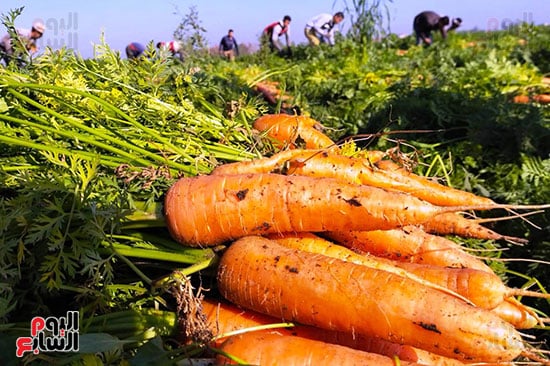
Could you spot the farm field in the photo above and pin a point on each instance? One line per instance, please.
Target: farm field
(90, 148)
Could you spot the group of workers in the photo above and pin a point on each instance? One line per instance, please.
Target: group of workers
(322, 29)
(174, 48)
(319, 29)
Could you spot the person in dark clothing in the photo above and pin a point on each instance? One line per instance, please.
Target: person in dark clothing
(428, 21)
(134, 50)
(228, 46)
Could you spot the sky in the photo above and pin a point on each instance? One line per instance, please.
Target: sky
(80, 24)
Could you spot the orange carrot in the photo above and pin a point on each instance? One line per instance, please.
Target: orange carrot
(455, 224)
(271, 93)
(440, 194)
(312, 243)
(483, 289)
(269, 347)
(294, 131)
(319, 163)
(521, 99)
(259, 274)
(517, 314)
(209, 210)
(410, 244)
(286, 161)
(226, 318)
(542, 98)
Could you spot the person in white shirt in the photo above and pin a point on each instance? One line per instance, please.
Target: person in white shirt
(28, 39)
(322, 28)
(274, 31)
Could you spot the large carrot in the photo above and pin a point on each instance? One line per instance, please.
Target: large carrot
(312, 243)
(225, 318)
(270, 347)
(410, 244)
(315, 163)
(294, 131)
(209, 210)
(483, 289)
(313, 289)
(286, 161)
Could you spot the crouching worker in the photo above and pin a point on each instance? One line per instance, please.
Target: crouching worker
(322, 28)
(273, 32)
(26, 37)
(428, 21)
(173, 48)
(134, 50)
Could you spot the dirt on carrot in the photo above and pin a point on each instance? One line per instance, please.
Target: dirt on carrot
(320, 163)
(228, 319)
(313, 289)
(482, 288)
(270, 347)
(209, 210)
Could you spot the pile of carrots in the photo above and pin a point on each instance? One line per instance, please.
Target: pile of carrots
(336, 259)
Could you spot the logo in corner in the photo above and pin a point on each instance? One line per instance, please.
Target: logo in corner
(52, 334)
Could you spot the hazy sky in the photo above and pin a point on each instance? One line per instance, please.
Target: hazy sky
(79, 24)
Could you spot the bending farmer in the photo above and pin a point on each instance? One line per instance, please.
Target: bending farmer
(273, 32)
(27, 37)
(321, 28)
(428, 21)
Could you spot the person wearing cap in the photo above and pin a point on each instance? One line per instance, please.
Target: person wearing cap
(27, 37)
(427, 21)
(322, 28)
(175, 48)
(274, 31)
(228, 46)
(134, 50)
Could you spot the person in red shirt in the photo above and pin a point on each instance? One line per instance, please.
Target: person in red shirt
(273, 32)
(175, 48)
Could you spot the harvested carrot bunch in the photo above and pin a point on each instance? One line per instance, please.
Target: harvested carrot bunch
(294, 131)
(353, 252)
